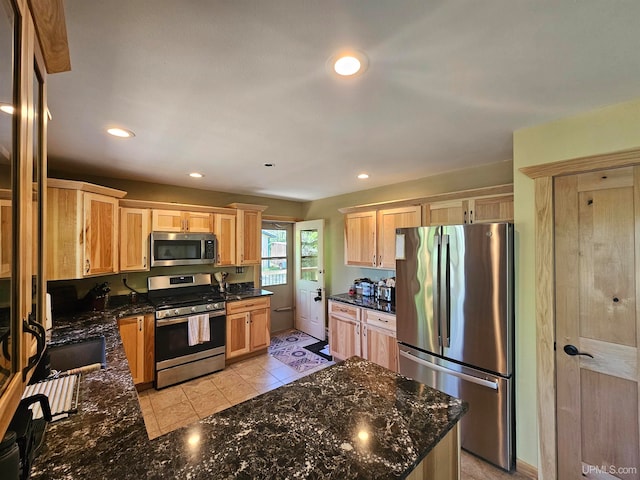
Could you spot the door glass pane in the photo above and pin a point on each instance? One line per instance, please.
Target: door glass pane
(274, 257)
(8, 122)
(309, 255)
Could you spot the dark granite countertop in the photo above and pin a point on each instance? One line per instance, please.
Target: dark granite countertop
(353, 420)
(366, 302)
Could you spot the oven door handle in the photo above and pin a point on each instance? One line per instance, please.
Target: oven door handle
(174, 321)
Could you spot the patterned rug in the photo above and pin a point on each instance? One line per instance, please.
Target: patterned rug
(288, 348)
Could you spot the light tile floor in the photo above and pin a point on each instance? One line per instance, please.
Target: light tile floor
(180, 405)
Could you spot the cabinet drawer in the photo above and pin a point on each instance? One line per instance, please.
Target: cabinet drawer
(379, 319)
(345, 311)
(249, 304)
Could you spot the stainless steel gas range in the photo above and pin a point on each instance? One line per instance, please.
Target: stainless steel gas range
(190, 330)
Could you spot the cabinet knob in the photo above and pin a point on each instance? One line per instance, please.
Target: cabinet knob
(88, 266)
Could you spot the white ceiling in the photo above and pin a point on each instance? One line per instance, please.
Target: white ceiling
(223, 87)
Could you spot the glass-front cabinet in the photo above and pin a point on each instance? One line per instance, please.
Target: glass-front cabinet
(25, 60)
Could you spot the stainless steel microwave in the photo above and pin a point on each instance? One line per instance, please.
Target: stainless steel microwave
(171, 249)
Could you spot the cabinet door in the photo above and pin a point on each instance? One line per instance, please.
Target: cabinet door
(6, 236)
(224, 228)
(388, 221)
(132, 335)
(259, 321)
(197, 222)
(380, 346)
(452, 212)
(238, 330)
(249, 233)
(100, 227)
(344, 337)
(360, 239)
(491, 209)
(149, 349)
(134, 239)
(166, 221)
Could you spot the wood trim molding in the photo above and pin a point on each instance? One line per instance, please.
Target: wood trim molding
(280, 218)
(85, 187)
(49, 20)
(623, 158)
(545, 327)
(248, 206)
(132, 203)
(527, 470)
(441, 197)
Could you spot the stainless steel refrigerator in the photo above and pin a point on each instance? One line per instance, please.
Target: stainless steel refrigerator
(455, 321)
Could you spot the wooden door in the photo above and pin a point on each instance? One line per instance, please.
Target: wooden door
(198, 222)
(259, 321)
(238, 341)
(597, 241)
(310, 312)
(360, 239)
(149, 348)
(388, 220)
(100, 227)
(134, 239)
(166, 221)
(132, 335)
(249, 233)
(491, 209)
(6, 237)
(224, 228)
(380, 346)
(452, 212)
(344, 337)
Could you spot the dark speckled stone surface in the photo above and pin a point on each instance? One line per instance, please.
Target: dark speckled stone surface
(366, 302)
(353, 420)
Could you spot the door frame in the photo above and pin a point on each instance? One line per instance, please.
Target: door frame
(543, 176)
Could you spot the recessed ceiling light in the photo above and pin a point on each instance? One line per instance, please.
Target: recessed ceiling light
(196, 175)
(349, 63)
(120, 132)
(7, 108)
(363, 176)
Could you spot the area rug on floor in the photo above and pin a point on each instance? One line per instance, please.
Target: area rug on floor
(288, 347)
(319, 348)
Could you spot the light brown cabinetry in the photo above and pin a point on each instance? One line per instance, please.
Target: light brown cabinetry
(364, 332)
(387, 222)
(248, 233)
(82, 228)
(6, 247)
(360, 239)
(248, 326)
(180, 221)
(137, 334)
(134, 239)
(493, 208)
(224, 228)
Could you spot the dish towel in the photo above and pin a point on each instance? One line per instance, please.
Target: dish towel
(203, 330)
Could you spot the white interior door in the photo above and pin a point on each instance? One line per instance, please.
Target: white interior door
(309, 278)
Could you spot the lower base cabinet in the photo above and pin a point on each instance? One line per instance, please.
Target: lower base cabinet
(137, 334)
(363, 332)
(248, 326)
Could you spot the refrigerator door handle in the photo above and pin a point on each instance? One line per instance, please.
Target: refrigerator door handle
(463, 376)
(437, 239)
(445, 291)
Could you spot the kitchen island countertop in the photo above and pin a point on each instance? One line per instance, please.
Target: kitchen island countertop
(353, 420)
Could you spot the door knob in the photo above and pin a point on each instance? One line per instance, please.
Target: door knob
(573, 350)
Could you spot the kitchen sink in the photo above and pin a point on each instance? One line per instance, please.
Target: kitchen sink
(79, 354)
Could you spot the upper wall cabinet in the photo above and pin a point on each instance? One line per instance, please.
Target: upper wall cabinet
(134, 239)
(370, 236)
(82, 224)
(180, 221)
(483, 209)
(248, 233)
(224, 228)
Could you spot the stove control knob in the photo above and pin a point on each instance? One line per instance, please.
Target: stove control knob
(176, 311)
(193, 309)
(209, 307)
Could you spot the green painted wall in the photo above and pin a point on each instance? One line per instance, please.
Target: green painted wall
(605, 130)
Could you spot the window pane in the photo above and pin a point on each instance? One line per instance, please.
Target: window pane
(274, 257)
(309, 255)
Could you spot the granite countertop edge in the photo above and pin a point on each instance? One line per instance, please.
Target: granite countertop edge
(364, 302)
